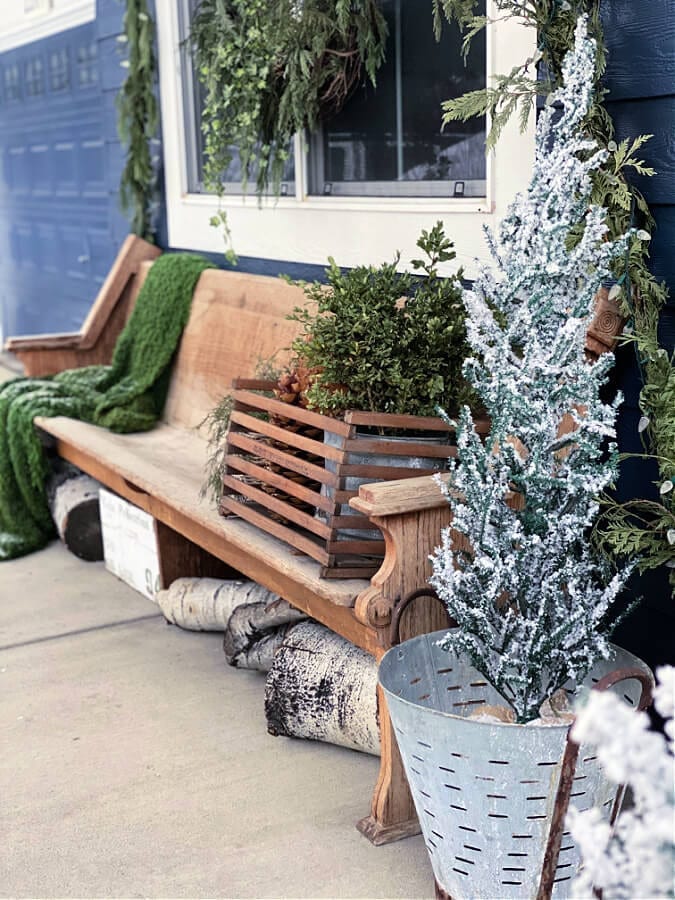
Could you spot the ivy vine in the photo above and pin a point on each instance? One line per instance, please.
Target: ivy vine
(270, 69)
(138, 117)
(643, 527)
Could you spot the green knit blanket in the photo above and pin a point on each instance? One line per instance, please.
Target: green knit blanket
(127, 395)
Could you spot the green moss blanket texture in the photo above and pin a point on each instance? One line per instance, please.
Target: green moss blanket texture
(126, 396)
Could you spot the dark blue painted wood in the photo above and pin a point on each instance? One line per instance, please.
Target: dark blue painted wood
(60, 164)
(54, 235)
(655, 116)
(662, 251)
(641, 35)
(112, 72)
(641, 79)
(272, 267)
(109, 21)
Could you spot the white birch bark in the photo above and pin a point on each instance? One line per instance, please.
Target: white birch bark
(321, 687)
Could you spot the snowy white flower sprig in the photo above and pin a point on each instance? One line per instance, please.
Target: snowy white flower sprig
(637, 857)
(531, 598)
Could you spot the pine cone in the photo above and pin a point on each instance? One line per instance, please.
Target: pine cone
(292, 386)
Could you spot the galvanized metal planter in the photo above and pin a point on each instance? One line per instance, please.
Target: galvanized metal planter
(487, 794)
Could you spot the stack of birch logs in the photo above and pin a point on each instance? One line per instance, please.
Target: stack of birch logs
(73, 503)
(319, 686)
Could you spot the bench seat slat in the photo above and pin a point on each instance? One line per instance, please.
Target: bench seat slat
(163, 469)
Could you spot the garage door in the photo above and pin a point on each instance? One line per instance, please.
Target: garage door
(55, 244)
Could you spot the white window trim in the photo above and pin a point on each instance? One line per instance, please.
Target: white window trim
(354, 230)
(35, 26)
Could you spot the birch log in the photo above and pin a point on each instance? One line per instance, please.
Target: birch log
(73, 502)
(321, 687)
(256, 631)
(206, 604)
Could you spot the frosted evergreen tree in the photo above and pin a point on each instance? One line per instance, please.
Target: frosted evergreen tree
(531, 597)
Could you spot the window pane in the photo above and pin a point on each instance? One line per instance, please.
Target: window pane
(388, 140)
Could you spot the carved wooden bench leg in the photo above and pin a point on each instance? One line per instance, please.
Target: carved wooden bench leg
(392, 815)
(411, 516)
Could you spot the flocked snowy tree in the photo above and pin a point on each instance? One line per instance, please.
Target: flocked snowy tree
(636, 858)
(531, 597)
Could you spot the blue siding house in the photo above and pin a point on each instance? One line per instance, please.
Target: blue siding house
(60, 162)
(641, 100)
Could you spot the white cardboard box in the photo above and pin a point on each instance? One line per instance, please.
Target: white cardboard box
(130, 544)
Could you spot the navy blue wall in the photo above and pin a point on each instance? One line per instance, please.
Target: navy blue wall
(109, 16)
(60, 162)
(641, 100)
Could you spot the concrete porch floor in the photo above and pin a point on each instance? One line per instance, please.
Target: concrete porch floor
(135, 763)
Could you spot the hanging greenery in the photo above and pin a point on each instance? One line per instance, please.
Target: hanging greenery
(137, 117)
(272, 68)
(644, 526)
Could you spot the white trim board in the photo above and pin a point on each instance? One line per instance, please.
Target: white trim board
(31, 27)
(308, 229)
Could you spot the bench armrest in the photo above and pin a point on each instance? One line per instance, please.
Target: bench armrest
(47, 354)
(35, 342)
(411, 514)
(391, 498)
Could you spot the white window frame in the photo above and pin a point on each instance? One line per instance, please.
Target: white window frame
(355, 230)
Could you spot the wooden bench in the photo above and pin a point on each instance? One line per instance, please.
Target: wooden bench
(237, 319)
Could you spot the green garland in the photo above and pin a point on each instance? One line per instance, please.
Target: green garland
(272, 68)
(126, 396)
(643, 527)
(138, 117)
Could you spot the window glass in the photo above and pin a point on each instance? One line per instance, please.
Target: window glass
(59, 70)
(34, 77)
(388, 140)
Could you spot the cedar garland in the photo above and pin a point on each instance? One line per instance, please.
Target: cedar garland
(138, 117)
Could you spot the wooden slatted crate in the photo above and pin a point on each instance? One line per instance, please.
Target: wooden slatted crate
(292, 472)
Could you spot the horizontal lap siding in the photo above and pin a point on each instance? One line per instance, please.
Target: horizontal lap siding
(641, 83)
(60, 162)
(640, 80)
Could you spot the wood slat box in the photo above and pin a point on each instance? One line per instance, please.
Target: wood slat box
(292, 472)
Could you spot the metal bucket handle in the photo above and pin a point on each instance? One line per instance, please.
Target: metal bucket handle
(569, 762)
(402, 604)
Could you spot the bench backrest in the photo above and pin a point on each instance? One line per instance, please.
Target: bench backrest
(236, 320)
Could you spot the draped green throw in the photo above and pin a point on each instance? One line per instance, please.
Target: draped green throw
(126, 396)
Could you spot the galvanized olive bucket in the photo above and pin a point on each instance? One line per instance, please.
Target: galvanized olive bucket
(486, 793)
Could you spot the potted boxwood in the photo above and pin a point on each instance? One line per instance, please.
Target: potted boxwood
(385, 341)
(516, 571)
(378, 351)
(389, 347)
